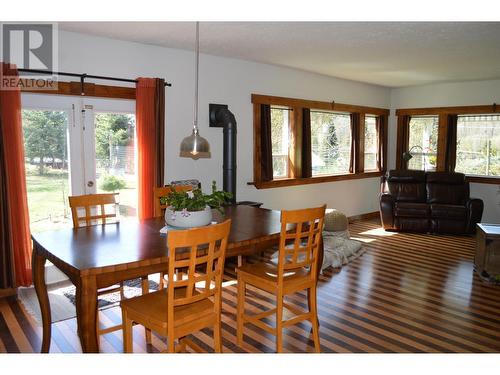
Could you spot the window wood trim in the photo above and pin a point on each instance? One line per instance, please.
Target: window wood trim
(75, 88)
(443, 113)
(257, 150)
(313, 104)
(283, 182)
(295, 152)
(461, 110)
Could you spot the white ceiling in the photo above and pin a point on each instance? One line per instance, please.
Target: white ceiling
(393, 54)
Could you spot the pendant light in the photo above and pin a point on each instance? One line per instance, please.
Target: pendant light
(195, 146)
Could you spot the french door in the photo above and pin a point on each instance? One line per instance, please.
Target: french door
(76, 146)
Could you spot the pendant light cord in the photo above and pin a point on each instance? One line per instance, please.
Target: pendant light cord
(195, 146)
(197, 60)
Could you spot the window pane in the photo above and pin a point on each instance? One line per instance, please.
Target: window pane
(115, 159)
(330, 143)
(280, 135)
(422, 144)
(478, 145)
(46, 162)
(371, 143)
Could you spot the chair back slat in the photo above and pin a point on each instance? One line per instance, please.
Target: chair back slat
(300, 239)
(94, 206)
(160, 192)
(202, 251)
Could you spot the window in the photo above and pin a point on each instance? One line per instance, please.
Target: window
(371, 143)
(280, 138)
(469, 141)
(330, 143)
(76, 146)
(422, 142)
(115, 151)
(47, 168)
(478, 145)
(299, 141)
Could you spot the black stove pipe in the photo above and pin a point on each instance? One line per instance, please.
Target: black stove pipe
(222, 117)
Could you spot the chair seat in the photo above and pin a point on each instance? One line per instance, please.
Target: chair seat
(152, 308)
(264, 274)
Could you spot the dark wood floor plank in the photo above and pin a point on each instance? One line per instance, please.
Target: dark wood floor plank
(431, 295)
(26, 326)
(8, 341)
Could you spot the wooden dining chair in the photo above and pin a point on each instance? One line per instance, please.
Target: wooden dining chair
(190, 303)
(296, 271)
(89, 210)
(160, 192)
(93, 207)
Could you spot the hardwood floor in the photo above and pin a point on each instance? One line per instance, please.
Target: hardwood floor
(407, 293)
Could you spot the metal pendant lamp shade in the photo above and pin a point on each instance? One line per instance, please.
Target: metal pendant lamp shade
(195, 146)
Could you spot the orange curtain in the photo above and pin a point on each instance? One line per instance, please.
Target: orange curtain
(150, 119)
(17, 217)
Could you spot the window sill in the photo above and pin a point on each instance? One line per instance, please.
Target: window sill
(483, 180)
(312, 180)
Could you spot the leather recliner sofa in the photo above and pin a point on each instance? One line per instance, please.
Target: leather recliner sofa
(429, 202)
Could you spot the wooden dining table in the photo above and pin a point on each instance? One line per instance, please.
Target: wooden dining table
(102, 255)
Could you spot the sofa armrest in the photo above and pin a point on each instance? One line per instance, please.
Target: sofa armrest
(387, 211)
(474, 208)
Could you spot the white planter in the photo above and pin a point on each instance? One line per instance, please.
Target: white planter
(187, 219)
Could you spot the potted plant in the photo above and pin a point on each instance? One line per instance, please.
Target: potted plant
(187, 209)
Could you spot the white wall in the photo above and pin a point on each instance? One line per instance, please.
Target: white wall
(444, 95)
(231, 82)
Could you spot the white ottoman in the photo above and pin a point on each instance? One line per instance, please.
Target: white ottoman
(339, 249)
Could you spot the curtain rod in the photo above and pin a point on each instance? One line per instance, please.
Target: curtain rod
(82, 76)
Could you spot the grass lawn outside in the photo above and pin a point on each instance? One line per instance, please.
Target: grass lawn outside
(48, 198)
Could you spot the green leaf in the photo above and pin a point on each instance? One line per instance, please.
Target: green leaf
(180, 200)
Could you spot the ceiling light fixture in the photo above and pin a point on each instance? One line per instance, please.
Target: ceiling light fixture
(195, 146)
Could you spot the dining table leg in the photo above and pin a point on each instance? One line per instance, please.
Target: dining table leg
(38, 269)
(86, 314)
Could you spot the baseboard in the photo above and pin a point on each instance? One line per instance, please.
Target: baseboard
(369, 215)
(8, 292)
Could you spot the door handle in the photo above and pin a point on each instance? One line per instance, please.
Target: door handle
(90, 183)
